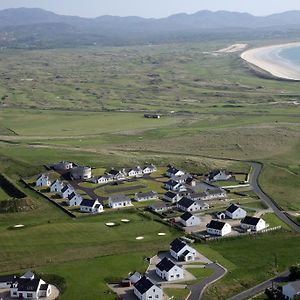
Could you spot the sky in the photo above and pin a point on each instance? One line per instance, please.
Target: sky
(152, 8)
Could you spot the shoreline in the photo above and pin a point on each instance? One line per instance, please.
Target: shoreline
(268, 59)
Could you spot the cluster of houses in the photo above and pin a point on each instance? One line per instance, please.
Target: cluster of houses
(235, 212)
(76, 172)
(27, 286)
(166, 269)
(117, 175)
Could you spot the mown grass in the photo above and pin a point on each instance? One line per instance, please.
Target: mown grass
(250, 260)
(177, 294)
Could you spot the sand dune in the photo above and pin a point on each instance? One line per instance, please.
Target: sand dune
(268, 59)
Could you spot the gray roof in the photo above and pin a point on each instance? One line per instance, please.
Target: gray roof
(118, 198)
(186, 216)
(146, 194)
(295, 285)
(218, 225)
(186, 202)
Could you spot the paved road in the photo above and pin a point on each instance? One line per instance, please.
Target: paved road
(260, 287)
(198, 288)
(256, 170)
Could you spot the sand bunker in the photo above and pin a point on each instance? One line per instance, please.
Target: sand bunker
(125, 220)
(232, 48)
(139, 238)
(19, 226)
(161, 233)
(110, 224)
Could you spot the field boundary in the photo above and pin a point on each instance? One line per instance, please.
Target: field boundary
(49, 199)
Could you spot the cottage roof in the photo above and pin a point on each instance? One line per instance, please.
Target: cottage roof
(177, 245)
(8, 278)
(173, 170)
(118, 199)
(71, 196)
(214, 191)
(170, 195)
(57, 181)
(28, 275)
(114, 172)
(186, 202)
(186, 216)
(66, 187)
(88, 202)
(44, 287)
(155, 206)
(295, 285)
(144, 285)
(172, 183)
(146, 194)
(27, 285)
(250, 220)
(232, 208)
(218, 225)
(165, 265)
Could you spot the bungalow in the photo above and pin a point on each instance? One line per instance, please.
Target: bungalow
(139, 197)
(103, 179)
(235, 212)
(159, 207)
(91, 206)
(181, 178)
(43, 180)
(66, 191)
(135, 172)
(174, 172)
(56, 186)
(145, 289)
(62, 166)
(188, 220)
(253, 223)
(149, 169)
(74, 199)
(218, 228)
(181, 251)
(218, 175)
(172, 185)
(116, 174)
(119, 201)
(167, 270)
(186, 204)
(29, 287)
(291, 290)
(81, 173)
(213, 194)
(172, 197)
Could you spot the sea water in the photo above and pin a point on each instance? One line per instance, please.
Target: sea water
(292, 55)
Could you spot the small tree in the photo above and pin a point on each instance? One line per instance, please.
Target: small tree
(294, 272)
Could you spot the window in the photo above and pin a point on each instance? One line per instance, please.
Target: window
(29, 295)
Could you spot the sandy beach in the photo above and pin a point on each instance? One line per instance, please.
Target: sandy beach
(269, 60)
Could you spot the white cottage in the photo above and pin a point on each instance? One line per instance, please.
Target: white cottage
(119, 201)
(172, 197)
(172, 171)
(140, 197)
(218, 228)
(56, 186)
(188, 220)
(149, 169)
(66, 191)
(253, 223)
(235, 212)
(187, 204)
(29, 287)
(218, 175)
(145, 289)
(103, 179)
(91, 206)
(135, 172)
(167, 270)
(173, 185)
(181, 251)
(43, 181)
(74, 199)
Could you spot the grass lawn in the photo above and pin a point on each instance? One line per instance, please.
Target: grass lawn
(274, 221)
(177, 294)
(200, 273)
(242, 274)
(91, 275)
(3, 195)
(68, 239)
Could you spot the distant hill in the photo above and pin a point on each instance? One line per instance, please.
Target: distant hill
(37, 28)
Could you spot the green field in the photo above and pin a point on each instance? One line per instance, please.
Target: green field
(87, 105)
